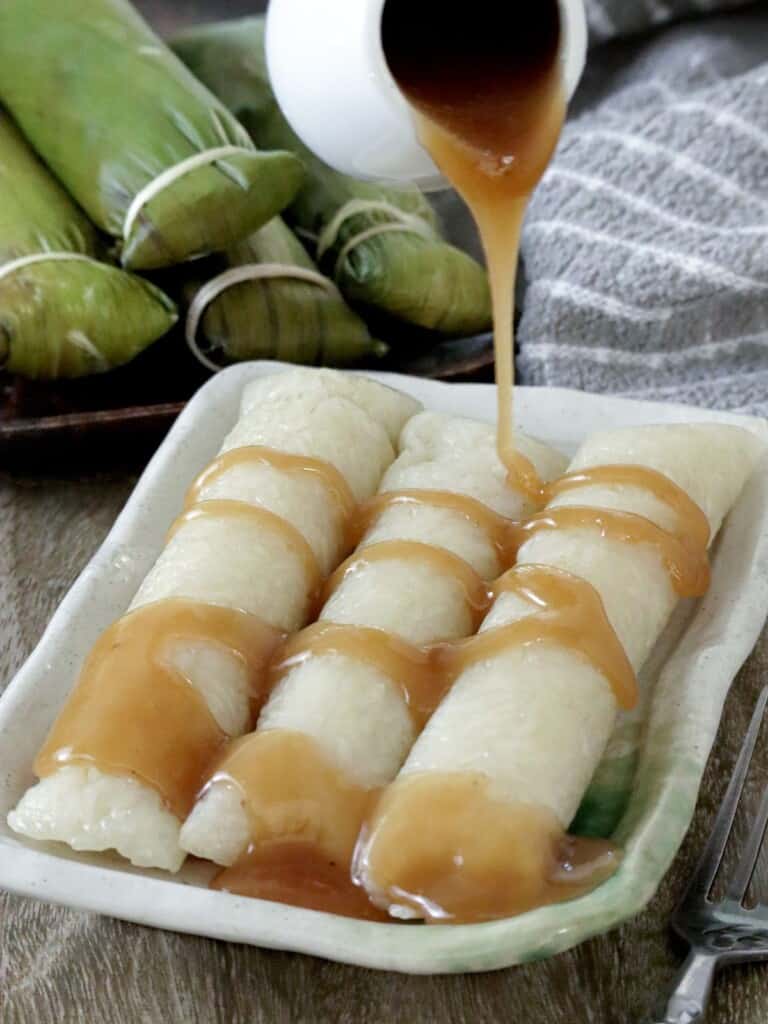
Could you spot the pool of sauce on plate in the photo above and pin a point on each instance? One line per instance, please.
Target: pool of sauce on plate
(487, 92)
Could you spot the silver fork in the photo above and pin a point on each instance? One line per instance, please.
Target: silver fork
(721, 933)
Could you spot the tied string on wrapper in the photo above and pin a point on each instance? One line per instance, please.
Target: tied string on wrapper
(172, 174)
(240, 275)
(410, 223)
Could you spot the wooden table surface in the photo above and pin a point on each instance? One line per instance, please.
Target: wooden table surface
(58, 966)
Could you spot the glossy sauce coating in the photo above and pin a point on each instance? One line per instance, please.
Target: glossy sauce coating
(477, 858)
(260, 519)
(568, 614)
(686, 563)
(289, 788)
(495, 526)
(330, 477)
(133, 712)
(439, 559)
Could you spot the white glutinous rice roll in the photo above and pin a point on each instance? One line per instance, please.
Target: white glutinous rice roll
(180, 673)
(502, 765)
(338, 717)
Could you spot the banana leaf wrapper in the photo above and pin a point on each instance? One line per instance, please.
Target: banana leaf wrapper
(281, 315)
(63, 317)
(148, 152)
(411, 275)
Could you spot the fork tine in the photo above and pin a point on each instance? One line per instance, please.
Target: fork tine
(738, 887)
(707, 868)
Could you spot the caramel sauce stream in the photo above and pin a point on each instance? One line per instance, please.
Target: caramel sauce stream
(489, 105)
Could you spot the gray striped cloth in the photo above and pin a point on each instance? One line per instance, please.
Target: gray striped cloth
(645, 249)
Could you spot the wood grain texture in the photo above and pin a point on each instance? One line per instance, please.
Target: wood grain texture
(62, 967)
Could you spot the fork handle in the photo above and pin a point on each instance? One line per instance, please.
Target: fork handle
(692, 989)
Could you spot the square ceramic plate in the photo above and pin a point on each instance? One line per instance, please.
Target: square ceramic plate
(644, 793)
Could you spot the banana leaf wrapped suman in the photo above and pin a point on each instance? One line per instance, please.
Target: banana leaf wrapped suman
(380, 245)
(153, 158)
(265, 299)
(63, 313)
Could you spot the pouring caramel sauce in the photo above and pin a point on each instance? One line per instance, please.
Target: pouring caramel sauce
(487, 92)
(489, 103)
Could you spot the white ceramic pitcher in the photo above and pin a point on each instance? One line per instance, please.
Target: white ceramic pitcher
(332, 82)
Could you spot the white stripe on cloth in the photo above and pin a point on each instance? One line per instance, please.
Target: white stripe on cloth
(692, 265)
(690, 167)
(599, 185)
(660, 358)
(600, 302)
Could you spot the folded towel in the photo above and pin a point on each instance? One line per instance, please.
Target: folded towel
(611, 18)
(645, 249)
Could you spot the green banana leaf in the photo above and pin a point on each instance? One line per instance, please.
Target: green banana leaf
(109, 108)
(70, 317)
(276, 317)
(414, 277)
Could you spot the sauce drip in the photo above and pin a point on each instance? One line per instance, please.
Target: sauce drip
(495, 526)
(260, 519)
(290, 789)
(489, 103)
(299, 802)
(691, 521)
(569, 613)
(134, 713)
(332, 480)
(439, 559)
(480, 858)
(419, 672)
(687, 564)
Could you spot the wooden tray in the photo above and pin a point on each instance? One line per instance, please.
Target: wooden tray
(117, 420)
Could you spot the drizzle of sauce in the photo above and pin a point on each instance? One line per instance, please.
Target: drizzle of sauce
(488, 97)
(329, 476)
(686, 563)
(569, 613)
(305, 818)
(134, 713)
(419, 672)
(480, 858)
(260, 519)
(438, 559)
(495, 526)
(296, 796)
(692, 523)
